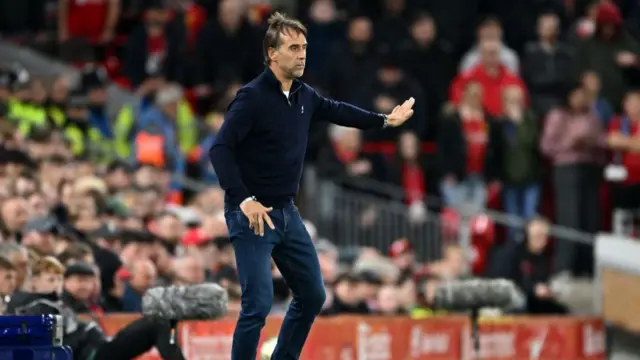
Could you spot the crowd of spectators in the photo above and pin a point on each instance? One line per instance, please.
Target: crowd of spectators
(500, 87)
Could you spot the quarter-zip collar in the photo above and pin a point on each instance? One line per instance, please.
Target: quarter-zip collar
(272, 80)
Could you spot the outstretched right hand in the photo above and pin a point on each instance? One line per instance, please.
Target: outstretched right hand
(257, 215)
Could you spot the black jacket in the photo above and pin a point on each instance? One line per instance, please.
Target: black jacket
(260, 148)
(452, 149)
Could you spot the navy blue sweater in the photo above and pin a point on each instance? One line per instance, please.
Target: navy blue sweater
(260, 149)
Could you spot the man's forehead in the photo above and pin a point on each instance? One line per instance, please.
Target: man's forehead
(293, 37)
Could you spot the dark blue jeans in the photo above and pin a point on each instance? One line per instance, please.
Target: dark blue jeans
(294, 253)
(521, 201)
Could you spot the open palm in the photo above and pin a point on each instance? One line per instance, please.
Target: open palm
(401, 113)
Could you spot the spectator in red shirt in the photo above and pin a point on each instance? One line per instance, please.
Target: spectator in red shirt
(469, 151)
(491, 74)
(623, 138)
(94, 20)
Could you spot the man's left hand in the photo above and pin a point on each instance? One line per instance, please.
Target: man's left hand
(401, 113)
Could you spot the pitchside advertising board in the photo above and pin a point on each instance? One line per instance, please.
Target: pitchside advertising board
(618, 278)
(398, 338)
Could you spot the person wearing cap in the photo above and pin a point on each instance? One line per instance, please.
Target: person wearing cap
(38, 235)
(79, 283)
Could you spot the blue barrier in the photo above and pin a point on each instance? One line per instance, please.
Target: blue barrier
(32, 338)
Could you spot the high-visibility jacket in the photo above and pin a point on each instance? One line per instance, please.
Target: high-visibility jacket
(150, 149)
(89, 142)
(27, 116)
(125, 130)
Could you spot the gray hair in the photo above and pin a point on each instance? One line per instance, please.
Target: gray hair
(336, 132)
(169, 94)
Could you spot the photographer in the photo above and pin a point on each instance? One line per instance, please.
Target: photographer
(87, 340)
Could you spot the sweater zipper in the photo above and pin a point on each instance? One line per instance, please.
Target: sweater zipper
(290, 95)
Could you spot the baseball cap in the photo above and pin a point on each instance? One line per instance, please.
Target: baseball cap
(79, 269)
(41, 224)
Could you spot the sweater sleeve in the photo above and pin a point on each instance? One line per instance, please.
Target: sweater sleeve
(237, 124)
(345, 114)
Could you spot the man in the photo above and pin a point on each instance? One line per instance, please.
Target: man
(258, 156)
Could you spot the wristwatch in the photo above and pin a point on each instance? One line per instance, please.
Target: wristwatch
(386, 120)
(250, 198)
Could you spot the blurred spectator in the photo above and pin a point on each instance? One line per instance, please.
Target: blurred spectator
(18, 256)
(189, 270)
(389, 89)
(352, 62)
(79, 286)
(240, 63)
(491, 74)
(490, 30)
(469, 151)
(410, 171)
(343, 160)
(585, 27)
(348, 297)
(573, 138)
(388, 303)
(602, 107)
(167, 132)
(546, 65)
(325, 29)
(612, 53)
(529, 265)
(8, 284)
(430, 60)
(142, 278)
(154, 47)
(624, 171)
(93, 20)
(38, 235)
(521, 174)
(48, 276)
(403, 256)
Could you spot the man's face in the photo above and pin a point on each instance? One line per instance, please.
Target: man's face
(490, 54)
(632, 105)
(41, 241)
(169, 228)
(98, 96)
(80, 286)
(405, 261)
(47, 283)
(8, 281)
(143, 277)
(190, 271)
(490, 32)
(14, 214)
(548, 26)
(291, 55)
(360, 30)
(537, 235)
(367, 291)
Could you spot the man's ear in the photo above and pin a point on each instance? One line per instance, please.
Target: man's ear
(273, 54)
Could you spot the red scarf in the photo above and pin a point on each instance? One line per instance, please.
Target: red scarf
(413, 182)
